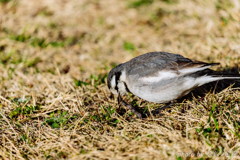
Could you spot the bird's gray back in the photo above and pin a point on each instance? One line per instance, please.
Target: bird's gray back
(150, 63)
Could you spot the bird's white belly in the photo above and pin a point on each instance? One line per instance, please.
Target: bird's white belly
(165, 93)
(162, 96)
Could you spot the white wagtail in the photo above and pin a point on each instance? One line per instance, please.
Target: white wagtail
(160, 77)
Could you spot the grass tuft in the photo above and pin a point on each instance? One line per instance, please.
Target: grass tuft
(139, 3)
(4, 1)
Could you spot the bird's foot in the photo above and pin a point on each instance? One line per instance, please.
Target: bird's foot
(156, 111)
(147, 114)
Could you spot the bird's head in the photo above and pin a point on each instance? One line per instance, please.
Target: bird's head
(112, 81)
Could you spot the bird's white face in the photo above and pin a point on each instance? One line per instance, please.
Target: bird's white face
(113, 85)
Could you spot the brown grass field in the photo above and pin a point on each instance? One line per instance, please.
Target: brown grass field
(54, 59)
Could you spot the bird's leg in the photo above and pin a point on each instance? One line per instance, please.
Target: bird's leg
(132, 109)
(158, 110)
(121, 101)
(154, 112)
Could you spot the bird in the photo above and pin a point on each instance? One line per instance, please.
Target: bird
(161, 77)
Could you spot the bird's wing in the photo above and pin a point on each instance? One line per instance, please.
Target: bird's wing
(164, 65)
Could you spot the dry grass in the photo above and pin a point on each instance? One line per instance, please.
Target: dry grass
(55, 56)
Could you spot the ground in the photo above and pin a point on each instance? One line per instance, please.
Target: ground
(55, 56)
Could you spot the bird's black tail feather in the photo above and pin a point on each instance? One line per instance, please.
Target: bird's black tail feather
(212, 73)
(224, 75)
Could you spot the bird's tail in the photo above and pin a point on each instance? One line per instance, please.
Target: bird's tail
(224, 76)
(212, 76)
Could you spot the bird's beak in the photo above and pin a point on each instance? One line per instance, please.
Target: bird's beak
(119, 99)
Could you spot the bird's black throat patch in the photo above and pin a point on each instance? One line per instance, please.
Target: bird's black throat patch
(117, 74)
(126, 87)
